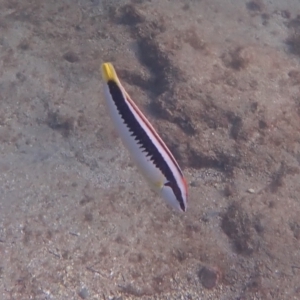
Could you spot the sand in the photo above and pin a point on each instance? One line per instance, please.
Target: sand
(219, 80)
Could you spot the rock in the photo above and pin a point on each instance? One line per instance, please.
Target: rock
(209, 277)
(83, 293)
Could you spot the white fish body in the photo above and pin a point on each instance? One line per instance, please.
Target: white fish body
(146, 148)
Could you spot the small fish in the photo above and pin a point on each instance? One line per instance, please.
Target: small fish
(148, 151)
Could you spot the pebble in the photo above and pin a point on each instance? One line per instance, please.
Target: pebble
(84, 293)
(209, 277)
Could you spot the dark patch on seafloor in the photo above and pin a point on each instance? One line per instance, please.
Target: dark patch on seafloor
(236, 59)
(60, 123)
(255, 6)
(277, 178)
(293, 41)
(242, 230)
(156, 60)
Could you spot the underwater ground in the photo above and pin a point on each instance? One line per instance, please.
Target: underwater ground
(219, 80)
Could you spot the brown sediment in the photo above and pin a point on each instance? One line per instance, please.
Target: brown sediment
(223, 92)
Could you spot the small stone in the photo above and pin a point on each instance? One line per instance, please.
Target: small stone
(71, 57)
(209, 277)
(195, 183)
(84, 293)
(251, 191)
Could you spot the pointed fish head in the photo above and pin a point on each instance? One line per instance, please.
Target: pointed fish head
(109, 73)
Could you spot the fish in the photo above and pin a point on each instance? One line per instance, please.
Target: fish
(151, 155)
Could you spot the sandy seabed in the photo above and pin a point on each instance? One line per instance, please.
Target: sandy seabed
(220, 80)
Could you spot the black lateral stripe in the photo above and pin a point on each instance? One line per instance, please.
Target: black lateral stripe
(139, 134)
